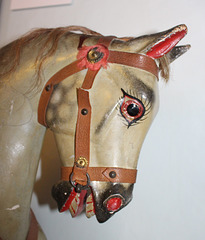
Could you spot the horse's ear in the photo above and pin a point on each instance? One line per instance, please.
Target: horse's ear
(177, 52)
(163, 43)
(166, 41)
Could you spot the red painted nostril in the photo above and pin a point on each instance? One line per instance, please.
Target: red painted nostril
(113, 204)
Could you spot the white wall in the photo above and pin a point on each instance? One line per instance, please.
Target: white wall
(169, 196)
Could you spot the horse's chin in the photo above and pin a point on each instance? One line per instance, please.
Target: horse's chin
(101, 199)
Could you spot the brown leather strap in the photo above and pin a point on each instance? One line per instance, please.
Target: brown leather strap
(106, 40)
(89, 79)
(82, 39)
(134, 60)
(104, 174)
(49, 87)
(82, 137)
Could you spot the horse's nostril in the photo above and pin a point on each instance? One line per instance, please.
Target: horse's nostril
(113, 204)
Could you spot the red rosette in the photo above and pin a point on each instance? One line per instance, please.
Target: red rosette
(93, 57)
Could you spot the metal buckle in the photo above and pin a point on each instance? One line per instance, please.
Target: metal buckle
(78, 187)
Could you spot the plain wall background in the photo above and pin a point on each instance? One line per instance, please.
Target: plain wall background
(169, 196)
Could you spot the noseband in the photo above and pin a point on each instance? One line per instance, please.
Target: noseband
(92, 58)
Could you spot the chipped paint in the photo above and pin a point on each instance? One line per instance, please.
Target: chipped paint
(13, 208)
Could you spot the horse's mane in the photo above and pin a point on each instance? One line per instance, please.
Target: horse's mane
(10, 54)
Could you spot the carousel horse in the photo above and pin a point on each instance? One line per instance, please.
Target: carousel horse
(98, 95)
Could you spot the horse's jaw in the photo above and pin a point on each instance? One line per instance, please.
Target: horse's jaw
(101, 199)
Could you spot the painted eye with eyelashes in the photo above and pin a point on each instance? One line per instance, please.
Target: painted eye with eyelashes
(132, 108)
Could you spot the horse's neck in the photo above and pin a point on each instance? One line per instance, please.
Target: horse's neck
(21, 138)
(19, 99)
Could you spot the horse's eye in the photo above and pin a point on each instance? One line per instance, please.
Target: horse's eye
(132, 109)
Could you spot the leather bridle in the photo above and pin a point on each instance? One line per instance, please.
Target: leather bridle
(92, 58)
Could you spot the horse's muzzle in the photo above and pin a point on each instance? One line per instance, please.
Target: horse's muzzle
(110, 198)
(102, 199)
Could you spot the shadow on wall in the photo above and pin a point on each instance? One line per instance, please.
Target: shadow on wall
(50, 171)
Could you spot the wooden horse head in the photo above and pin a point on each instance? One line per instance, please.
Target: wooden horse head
(99, 96)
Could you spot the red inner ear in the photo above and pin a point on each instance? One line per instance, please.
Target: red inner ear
(161, 48)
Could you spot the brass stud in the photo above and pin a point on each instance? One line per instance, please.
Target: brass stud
(112, 174)
(48, 88)
(84, 111)
(94, 56)
(81, 162)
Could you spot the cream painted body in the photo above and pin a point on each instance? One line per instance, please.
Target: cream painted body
(21, 139)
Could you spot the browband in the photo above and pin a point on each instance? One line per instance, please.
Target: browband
(92, 58)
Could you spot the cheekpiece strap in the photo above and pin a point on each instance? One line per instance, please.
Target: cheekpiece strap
(90, 58)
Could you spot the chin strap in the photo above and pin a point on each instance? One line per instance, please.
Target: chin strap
(92, 58)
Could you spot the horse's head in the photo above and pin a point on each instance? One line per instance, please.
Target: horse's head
(100, 108)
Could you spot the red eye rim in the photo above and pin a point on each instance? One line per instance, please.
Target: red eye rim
(127, 101)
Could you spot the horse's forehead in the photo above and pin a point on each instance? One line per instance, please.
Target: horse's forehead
(112, 79)
(109, 82)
